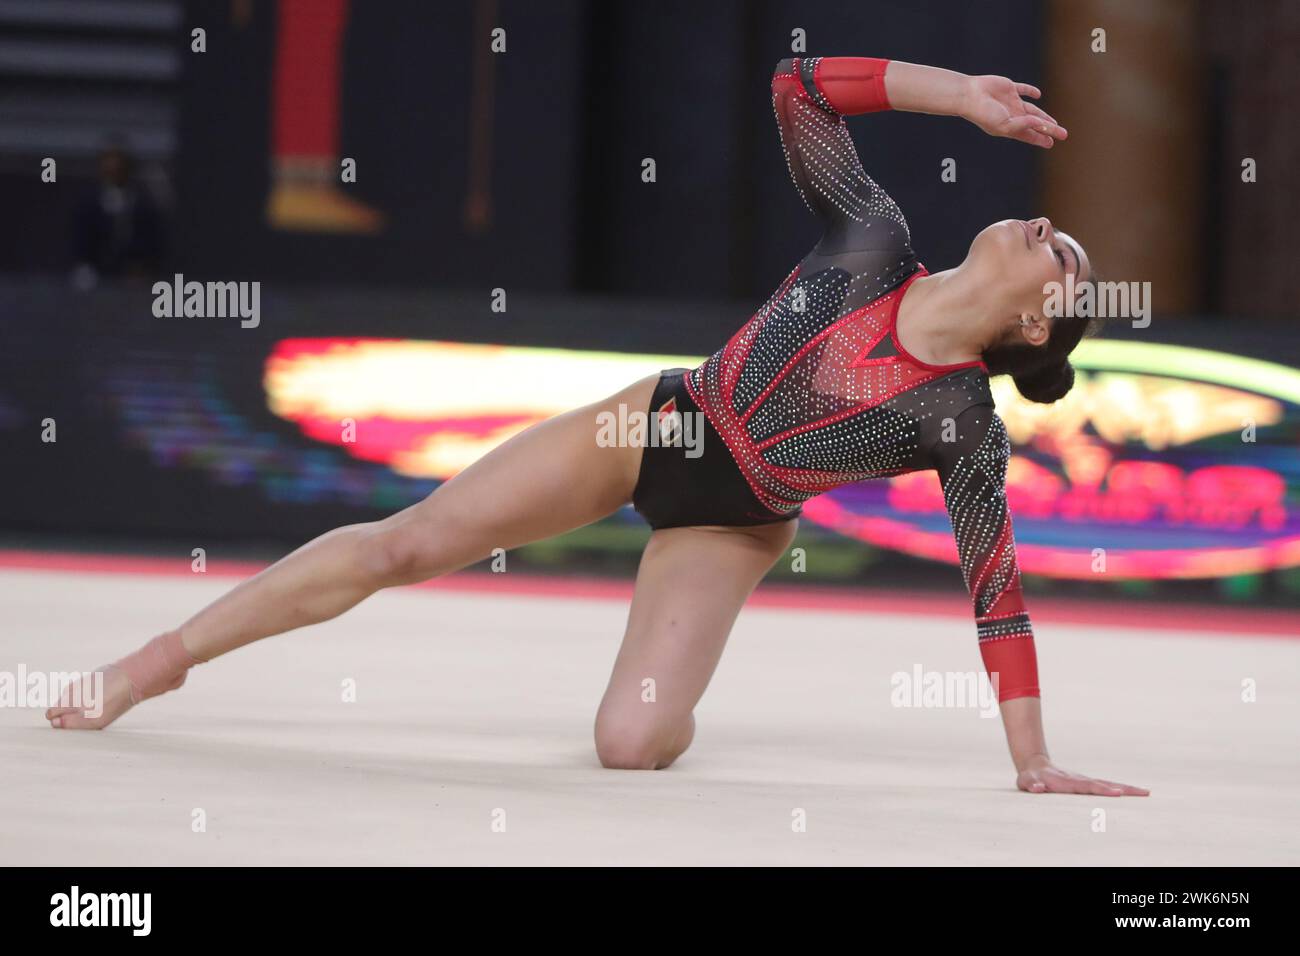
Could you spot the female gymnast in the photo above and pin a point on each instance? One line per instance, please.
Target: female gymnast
(861, 365)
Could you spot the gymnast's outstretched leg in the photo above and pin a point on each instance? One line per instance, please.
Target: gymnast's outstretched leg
(550, 479)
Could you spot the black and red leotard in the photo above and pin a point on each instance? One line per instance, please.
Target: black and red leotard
(816, 391)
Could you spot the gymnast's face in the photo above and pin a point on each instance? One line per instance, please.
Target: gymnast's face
(1020, 257)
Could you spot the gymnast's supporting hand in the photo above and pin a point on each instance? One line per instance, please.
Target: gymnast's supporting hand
(1023, 719)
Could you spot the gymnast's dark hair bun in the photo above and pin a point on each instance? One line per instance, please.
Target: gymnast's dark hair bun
(1046, 385)
(1043, 373)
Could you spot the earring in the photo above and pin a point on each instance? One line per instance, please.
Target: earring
(1024, 323)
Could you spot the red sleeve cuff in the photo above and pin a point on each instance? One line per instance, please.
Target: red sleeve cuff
(1012, 665)
(852, 84)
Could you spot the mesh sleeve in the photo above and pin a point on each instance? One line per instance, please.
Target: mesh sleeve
(810, 97)
(971, 457)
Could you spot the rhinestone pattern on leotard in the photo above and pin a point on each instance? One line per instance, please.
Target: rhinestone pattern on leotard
(814, 391)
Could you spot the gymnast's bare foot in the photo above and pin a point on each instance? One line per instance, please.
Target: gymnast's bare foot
(100, 706)
(108, 692)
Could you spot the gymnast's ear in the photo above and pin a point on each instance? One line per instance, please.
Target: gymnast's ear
(1033, 329)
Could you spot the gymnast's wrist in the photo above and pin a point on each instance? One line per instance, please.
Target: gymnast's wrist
(914, 88)
(966, 99)
(1032, 761)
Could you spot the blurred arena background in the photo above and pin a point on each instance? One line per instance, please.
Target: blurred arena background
(499, 258)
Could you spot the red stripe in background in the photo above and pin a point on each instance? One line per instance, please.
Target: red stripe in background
(306, 78)
(1234, 621)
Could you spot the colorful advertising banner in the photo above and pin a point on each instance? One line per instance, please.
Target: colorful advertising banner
(1163, 462)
